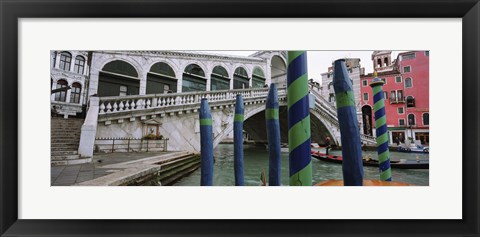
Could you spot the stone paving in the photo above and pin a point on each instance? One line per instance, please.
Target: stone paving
(102, 164)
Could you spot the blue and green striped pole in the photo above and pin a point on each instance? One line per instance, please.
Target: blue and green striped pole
(352, 165)
(206, 144)
(238, 141)
(298, 120)
(273, 136)
(381, 129)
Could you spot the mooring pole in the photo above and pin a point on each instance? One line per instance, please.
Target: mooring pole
(347, 118)
(238, 141)
(273, 137)
(206, 144)
(381, 129)
(298, 120)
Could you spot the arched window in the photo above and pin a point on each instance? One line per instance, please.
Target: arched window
(386, 62)
(75, 93)
(118, 78)
(161, 79)
(79, 64)
(411, 119)
(258, 78)
(408, 82)
(194, 79)
(240, 78)
(410, 101)
(61, 96)
(426, 119)
(219, 79)
(65, 61)
(379, 62)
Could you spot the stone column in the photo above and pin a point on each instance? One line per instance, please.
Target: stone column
(179, 81)
(209, 81)
(57, 60)
(54, 86)
(89, 129)
(72, 62)
(143, 83)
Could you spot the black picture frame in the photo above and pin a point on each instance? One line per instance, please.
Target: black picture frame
(11, 11)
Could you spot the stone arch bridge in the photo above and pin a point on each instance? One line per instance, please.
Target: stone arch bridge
(175, 116)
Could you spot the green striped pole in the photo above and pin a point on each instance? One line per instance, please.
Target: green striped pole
(298, 120)
(381, 129)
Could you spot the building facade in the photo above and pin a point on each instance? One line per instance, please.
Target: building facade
(121, 73)
(354, 70)
(406, 93)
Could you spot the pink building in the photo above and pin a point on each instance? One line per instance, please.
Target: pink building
(406, 92)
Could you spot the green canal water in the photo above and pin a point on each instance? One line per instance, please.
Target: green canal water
(256, 160)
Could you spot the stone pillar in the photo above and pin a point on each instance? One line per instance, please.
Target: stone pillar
(54, 86)
(179, 81)
(209, 81)
(231, 83)
(72, 62)
(143, 83)
(57, 60)
(268, 72)
(93, 86)
(89, 129)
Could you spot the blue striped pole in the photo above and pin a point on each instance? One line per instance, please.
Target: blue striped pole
(381, 129)
(352, 165)
(298, 120)
(273, 136)
(206, 144)
(238, 141)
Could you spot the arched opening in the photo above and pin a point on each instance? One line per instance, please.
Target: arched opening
(367, 120)
(240, 78)
(79, 64)
(75, 93)
(61, 95)
(279, 71)
(379, 62)
(258, 78)
(426, 119)
(411, 119)
(386, 62)
(410, 101)
(219, 79)
(118, 78)
(65, 61)
(161, 79)
(193, 79)
(408, 82)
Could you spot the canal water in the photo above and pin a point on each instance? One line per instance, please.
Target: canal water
(256, 160)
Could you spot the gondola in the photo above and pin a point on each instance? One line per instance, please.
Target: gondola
(402, 164)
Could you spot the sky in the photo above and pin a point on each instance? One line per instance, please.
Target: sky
(319, 61)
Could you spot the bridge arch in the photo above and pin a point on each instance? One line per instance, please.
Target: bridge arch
(118, 78)
(219, 78)
(161, 78)
(241, 79)
(194, 78)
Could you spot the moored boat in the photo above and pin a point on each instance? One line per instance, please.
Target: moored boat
(402, 164)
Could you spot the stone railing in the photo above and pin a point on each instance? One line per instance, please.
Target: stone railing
(368, 138)
(120, 104)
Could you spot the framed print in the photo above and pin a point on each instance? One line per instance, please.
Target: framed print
(75, 41)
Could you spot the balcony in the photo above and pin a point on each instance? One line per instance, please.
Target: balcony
(397, 100)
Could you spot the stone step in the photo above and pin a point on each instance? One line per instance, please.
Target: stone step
(66, 148)
(63, 153)
(65, 157)
(71, 161)
(65, 140)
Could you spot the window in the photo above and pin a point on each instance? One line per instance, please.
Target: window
(401, 122)
(75, 93)
(379, 62)
(426, 118)
(365, 96)
(407, 69)
(408, 56)
(384, 81)
(331, 98)
(60, 96)
(65, 60)
(385, 95)
(400, 110)
(365, 83)
(392, 96)
(427, 53)
(400, 95)
(410, 101)
(398, 79)
(408, 83)
(411, 119)
(79, 64)
(54, 58)
(386, 62)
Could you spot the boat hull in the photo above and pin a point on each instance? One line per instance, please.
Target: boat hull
(404, 164)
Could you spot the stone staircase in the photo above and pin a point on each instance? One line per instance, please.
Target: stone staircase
(65, 137)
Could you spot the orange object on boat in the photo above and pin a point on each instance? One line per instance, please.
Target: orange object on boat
(367, 182)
